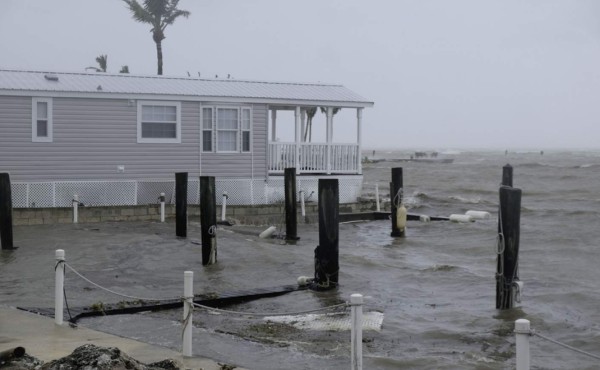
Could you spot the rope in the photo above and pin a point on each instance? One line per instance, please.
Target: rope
(113, 292)
(533, 332)
(262, 314)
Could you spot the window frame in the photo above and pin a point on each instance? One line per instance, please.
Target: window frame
(215, 129)
(49, 121)
(211, 130)
(159, 140)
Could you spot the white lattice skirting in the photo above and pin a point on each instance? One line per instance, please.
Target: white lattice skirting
(134, 192)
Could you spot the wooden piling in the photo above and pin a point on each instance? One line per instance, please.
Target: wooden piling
(327, 252)
(208, 219)
(291, 214)
(507, 272)
(6, 223)
(181, 185)
(396, 190)
(507, 175)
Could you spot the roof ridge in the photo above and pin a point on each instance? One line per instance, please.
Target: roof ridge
(183, 78)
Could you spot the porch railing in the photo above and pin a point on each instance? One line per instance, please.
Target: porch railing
(314, 157)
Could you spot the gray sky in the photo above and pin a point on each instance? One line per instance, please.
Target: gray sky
(443, 74)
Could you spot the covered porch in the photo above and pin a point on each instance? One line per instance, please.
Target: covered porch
(322, 155)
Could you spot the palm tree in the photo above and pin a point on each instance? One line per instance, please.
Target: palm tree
(102, 61)
(310, 114)
(159, 14)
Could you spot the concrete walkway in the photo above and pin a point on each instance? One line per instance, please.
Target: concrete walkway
(46, 341)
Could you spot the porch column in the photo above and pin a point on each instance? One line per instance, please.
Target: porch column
(303, 125)
(298, 137)
(274, 125)
(359, 112)
(329, 135)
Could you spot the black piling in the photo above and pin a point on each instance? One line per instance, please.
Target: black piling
(181, 185)
(396, 190)
(507, 175)
(6, 223)
(507, 273)
(291, 213)
(208, 219)
(327, 252)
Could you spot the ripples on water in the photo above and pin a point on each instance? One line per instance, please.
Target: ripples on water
(436, 287)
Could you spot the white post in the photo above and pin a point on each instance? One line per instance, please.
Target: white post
(359, 112)
(329, 137)
(297, 137)
(224, 206)
(522, 333)
(303, 124)
(377, 198)
(188, 296)
(302, 206)
(356, 301)
(59, 284)
(273, 125)
(75, 208)
(162, 207)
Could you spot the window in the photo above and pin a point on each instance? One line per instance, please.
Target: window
(159, 122)
(226, 129)
(207, 129)
(41, 120)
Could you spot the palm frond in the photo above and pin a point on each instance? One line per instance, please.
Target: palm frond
(139, 13)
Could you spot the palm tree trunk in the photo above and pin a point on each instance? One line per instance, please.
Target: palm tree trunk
(159, 57)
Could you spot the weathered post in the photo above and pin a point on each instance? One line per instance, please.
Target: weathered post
(162, 207)
(507, 175)
(6, 223)
(327, 252)
(522, 334)
(291, 216)
(396, 193)
(188, 309)
(507, 273)
(59, 284)
(356, 301)
(75, 203)
(181, 184)
(224, 207)
(208, 219)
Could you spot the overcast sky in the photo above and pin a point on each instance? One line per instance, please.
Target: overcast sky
(443, 73)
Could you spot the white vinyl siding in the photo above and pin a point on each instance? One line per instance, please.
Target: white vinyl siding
(41, 120)
(159, 122)
(226, 129)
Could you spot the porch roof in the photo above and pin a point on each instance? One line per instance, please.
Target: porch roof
(16, 82)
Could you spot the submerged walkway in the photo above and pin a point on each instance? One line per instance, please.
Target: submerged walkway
(43, 339)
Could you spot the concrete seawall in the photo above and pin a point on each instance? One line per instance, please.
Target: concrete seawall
(245, 215)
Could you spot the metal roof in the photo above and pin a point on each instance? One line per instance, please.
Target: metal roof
(184, 87)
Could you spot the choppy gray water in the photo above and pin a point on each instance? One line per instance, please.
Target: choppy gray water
(436, 287)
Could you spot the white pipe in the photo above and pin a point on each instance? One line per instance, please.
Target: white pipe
(267, 233)
(478, 215)
(302, 206)
(522, 333)
(188, 295)
(162, 207)
(75, 208)
(224, 206)
(377, 198)
(59, 284)
(356, 301)
(461, 218)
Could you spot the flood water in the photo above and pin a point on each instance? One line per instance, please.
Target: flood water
(435, 287)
